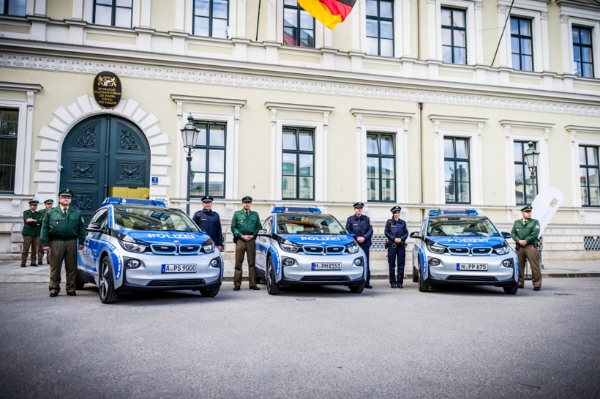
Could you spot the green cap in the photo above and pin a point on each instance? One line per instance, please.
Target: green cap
(526, 208)
(34, 202)
(247, 198)
(49, 201)
(66, 192)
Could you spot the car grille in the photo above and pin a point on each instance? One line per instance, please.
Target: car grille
(312, 249)
(319, 250)
(189, 249)
(459, 251)
(471, 278)
(174, 283)
(168, 249)
(335, 250)
(466, 251)
(325, 278)
(481, 251)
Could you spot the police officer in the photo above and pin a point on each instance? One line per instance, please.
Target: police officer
(30, 232)
(47, 205)
(526, 233)
(396, 233)
(61, 229)
(210, 221)
(360, 227)
(244, 226)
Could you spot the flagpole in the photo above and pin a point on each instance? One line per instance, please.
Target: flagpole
(258, 20)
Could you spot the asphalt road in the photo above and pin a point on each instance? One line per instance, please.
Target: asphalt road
(474, 342)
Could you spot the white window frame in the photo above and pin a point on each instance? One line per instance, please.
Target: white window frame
(402, 17)
(472, 34)
(88, 12)
(276, 21)
(187, 19)
(595, 27)
(475, 154)
(23, 151)
(575, 144)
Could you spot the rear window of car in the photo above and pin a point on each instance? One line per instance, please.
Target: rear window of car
(308, 224)
(153, 219)
(461, 226)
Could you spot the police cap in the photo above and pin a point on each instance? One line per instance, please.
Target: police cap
(207, 198)
(65, 192)
(34, 202)
(396, 209)
(247, 198)
(526, 208)
(49, 201)
(359, 205)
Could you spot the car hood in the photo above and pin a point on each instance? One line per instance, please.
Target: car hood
(317, 239)
(158, 237)
(461, 241)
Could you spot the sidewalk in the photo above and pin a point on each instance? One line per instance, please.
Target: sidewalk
(12, 272)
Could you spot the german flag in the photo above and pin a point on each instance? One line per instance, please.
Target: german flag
(329, 12)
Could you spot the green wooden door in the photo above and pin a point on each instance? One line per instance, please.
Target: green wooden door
(102, 152)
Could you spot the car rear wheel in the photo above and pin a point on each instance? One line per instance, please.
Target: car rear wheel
(511, 290)
(415, 275)
(106, 288)
(209, 292)
(423, 287)
(272, 287)
(357, 289)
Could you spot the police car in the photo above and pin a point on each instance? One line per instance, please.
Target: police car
(301, 246)
(463, 247)
(134, 245)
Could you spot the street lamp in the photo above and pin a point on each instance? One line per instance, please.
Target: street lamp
(189, 133)
(532, 157)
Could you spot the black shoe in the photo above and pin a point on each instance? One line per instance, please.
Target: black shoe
(255, 287)
(399, 286)
(537, 288)
(53, 294)
(48, 262)
(23, 265)
(520, 287)
(393, 285)
(33, 264)
(72, 293)
(236, 288)
(369, 286)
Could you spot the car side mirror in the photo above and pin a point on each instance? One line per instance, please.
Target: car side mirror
(94, 228)
(415, 234)
(263, 233)
(506, 235)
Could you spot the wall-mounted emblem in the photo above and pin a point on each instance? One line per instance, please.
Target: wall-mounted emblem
(107, 89)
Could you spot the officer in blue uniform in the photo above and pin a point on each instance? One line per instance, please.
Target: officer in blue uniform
(209, 221)
(396, 233)
(360, 227)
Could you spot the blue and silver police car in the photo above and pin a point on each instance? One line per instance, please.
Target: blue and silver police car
(463, 247)
(301, 246)
(134, 245)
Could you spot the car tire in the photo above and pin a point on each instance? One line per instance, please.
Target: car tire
(272, 287)
(209, 292)
(106, 286)
(79, 284)
(511, 290)
(357, 289)
(423, 287)
(415, 275)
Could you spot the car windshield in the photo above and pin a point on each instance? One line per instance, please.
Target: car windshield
(153, 219)
(308, 224)
(461, 226)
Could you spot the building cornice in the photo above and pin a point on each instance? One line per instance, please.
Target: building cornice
(457, 119)
(582, 129)
(208, 100)
(298, 107)
(11, 86)
(385, 114)
(534, 125)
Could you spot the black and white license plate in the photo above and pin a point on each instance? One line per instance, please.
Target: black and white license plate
(472, 266)
(189, 268)
(327, 266)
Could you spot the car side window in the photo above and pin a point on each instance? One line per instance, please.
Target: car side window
(267, 224)
(100, 218)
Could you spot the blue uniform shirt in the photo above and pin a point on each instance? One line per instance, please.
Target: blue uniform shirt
(360, 226)
(396, 229)
(210, 222)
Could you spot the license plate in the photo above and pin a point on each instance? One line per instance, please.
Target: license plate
(472, 266)
(327, 266)
(178, 269)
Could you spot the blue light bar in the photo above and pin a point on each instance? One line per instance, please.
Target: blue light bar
(435, 212)
(298, 209)
(438, 212)
(133, 201)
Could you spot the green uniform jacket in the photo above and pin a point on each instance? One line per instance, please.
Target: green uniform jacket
(29, 228)
(38, 227)
(528, 231)
(242, 224)
(57, 227)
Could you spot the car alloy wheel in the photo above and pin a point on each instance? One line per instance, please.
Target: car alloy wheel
(272, 287)
(106, 288)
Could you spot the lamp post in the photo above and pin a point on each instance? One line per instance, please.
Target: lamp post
(189, 133)
(532, 157)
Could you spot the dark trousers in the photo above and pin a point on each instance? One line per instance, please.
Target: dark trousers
(40, 253)
(29, 242)
(530, 253)
(249, 248)
(63, 251)
(366, 250)
(396, 258)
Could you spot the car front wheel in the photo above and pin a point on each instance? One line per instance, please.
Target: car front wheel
(357, 289)
(415, 275)
(511, 290)
(272, 287)
(423, 287)
(106, 288)
(209, 292)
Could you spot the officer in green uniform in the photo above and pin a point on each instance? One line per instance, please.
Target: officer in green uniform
(61, 229)
(48, 204)
(244, 226)
(526, 233)
(30, 233)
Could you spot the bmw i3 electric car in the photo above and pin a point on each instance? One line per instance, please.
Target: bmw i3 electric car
(135, 245)
(299, 246)
(463, 247)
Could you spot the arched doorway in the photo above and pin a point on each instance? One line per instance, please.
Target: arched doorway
(104, 154)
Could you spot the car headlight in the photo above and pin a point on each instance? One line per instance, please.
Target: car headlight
(132, 245)
(352, 247)
(288, 261)
(289, 246)
(436, 248)
(507, 263)
(434, 262)
(216, 262)
(208, 246)
(359, 261)
(503, 250)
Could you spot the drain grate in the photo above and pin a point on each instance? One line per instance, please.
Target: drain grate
(591, 243)
(306, 299)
